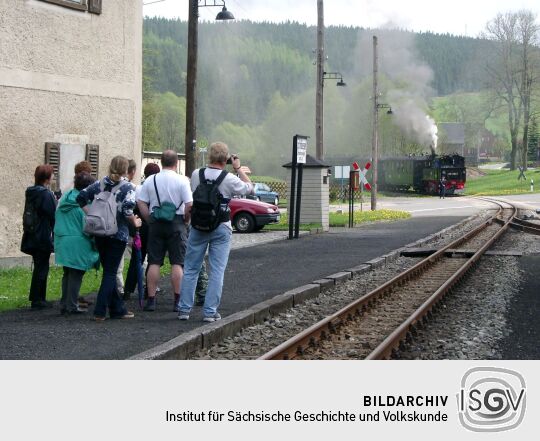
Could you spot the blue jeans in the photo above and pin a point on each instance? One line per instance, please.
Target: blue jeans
(110, 253)
(218, 243)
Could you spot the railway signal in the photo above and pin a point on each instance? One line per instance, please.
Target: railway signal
(362, 174)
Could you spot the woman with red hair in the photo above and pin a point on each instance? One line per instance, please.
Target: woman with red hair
(38, 225)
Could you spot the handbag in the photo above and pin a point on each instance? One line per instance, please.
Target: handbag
(165, 212)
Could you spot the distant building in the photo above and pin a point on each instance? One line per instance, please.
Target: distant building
(452, 140)
(155, 157)
(70, 89)
(488, 148)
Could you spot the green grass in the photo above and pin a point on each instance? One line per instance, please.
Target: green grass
(502, 182)
(283, 225)
(15, 284)
(342, 219)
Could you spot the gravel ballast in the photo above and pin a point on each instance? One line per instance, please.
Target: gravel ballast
(471, 323)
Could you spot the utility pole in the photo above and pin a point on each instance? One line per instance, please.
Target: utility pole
(191, 83)
(319, 147)
(375, 135)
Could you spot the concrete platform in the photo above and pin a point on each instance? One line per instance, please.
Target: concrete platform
(254, 276)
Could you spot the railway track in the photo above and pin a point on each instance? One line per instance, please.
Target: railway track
(378, 323)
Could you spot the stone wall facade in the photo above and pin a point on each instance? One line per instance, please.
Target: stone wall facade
(64, 74)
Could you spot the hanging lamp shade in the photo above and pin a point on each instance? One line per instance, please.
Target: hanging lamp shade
(225, 14)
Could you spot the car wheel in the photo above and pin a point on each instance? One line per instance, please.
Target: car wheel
(276, 201)
(244, 223)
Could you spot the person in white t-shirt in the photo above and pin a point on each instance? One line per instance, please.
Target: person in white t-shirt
(217, 242)
(169, 237)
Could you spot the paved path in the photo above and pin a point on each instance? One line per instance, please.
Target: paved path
(253, 275)
(433, 206)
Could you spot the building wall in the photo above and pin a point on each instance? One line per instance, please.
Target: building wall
(315, 197)
(64, 72)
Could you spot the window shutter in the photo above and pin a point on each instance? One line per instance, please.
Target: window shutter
(94, 6)
(92, 156)
(52, 157)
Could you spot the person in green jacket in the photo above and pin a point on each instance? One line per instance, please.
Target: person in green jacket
(74, 250)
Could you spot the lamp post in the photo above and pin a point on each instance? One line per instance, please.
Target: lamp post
(319, 125)
(191, 79)
(334, 76)
(375, 135)
(319, 148)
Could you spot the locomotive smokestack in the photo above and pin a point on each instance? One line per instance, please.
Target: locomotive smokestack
(433, 154)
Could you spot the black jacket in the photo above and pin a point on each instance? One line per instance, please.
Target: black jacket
(42, 238)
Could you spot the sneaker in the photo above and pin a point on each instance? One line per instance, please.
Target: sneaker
(212, 318)
(150, 304)
(77, 311)
(126, 315)
(83, 302)
(183, 316)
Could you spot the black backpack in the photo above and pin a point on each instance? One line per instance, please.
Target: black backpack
(208, 211)
(30, 215)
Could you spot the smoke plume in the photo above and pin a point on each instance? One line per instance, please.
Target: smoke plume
(409, 88)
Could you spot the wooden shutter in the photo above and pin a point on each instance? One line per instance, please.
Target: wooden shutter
(52, 157)
(92, 156)
(94, 6)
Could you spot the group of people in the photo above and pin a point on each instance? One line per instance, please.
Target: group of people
(154, 217)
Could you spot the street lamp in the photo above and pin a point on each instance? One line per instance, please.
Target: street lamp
(319, 126)
(191, 79)
(375, 133)
(334, 76)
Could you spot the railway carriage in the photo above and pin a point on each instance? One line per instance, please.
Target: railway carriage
(422, 173)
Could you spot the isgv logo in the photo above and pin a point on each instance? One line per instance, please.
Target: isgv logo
(491, 399)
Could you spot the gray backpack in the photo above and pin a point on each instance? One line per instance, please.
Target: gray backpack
(101, 215)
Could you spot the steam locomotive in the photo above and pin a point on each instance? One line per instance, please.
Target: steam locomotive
(422, 173)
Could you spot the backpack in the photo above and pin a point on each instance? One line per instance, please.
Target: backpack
(165, 212)
(101, 215)
(207, 211)
(30, 217)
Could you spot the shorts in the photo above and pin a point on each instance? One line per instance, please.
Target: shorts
(167, 237)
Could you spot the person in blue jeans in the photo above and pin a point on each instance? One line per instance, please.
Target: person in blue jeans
(217, 242)
(111, 248)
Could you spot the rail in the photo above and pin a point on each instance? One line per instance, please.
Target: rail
(297, 345)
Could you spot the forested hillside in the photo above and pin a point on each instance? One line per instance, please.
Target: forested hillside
(256, 83)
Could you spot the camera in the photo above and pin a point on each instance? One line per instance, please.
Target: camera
(230, 160)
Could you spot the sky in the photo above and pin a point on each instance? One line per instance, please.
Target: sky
(458, 17)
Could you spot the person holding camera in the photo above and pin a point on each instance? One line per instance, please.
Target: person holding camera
(213, 187)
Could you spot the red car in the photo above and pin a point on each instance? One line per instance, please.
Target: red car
(248, 215)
